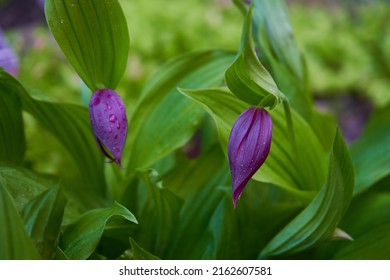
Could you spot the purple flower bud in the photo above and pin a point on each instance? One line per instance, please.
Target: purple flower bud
(109, 123)
(248, 147)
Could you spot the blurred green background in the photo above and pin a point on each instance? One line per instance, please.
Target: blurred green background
(346, 45)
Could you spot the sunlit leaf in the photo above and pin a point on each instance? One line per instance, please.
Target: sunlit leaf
(42, 219)
(12, 142)
(285, 166)
(163, 119)
(320, 218)
(80, 239)
(14, 241)
(93, 36)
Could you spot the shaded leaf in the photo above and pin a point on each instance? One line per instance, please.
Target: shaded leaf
(163, 119)
(42, 219)
(196, 182)
(14, 241)
(371, 154)
(368, 222)
(12, 141)
(22, 184)
(93, 36)
(139, 253)
(319, 219)
(158, 212)
(80, 239)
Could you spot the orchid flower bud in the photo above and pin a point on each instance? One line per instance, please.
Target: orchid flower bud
(248, 147)
(109, 123)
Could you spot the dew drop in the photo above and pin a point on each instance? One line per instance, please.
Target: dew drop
(112, 118)
(118, 125)
(109, 107)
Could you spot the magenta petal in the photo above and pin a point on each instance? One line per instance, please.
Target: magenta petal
(109, 122)
(248, 147)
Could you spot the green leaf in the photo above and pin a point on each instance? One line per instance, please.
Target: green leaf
(285, 166)
(274, 38)
(370, 154)
(163, 119)
(12, 141)
(71, 125)
(93, 36)
(80, 239)
(139, 253)
(196, 182)
(272, 16)
(22, 184)
(320, 218)
(367, 221)
(42, 219)
(247, 78)
(159, 212)
(14, 241)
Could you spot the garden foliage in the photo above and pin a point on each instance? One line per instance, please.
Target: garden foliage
(171, 198)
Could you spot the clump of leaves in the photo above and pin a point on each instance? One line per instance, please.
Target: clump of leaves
(302, 188)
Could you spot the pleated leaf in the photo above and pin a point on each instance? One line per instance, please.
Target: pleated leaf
(42, 219)
(159, 214)
(80, 238)
(93, 36)
(371, 154)
(317, 222)
(139, 253)
(247, 78)
(15, 243)
(368, 222)
(71, 125)
(12, 141)
(285, 166)
(165, 120)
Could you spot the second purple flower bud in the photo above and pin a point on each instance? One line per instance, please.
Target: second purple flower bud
(248, 147)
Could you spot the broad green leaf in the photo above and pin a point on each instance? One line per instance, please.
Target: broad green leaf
(274, 38)
(159, 212)
(139, 253)
(247, 78)
(272, 16)
(285, 166)
(14, 241)
(196, 181)
(320, 218)
(93, 36)
(70, 124)
(370, 154)
(80, 239)
(22, 185)
(12, 142)
(367, 221)
(163, 119)
(42, 219)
